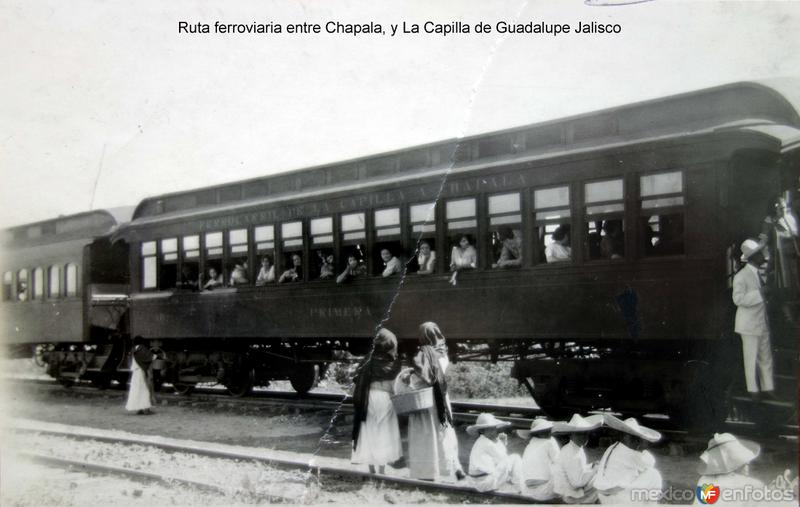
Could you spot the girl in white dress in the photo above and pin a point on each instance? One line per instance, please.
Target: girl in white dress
(139, 392)
(376, 432)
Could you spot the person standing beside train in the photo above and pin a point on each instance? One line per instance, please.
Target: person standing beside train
(427, 458)
(140, 392)
(376, 432)
(751, 321)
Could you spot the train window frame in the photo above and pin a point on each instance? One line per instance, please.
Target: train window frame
(471, 228)
(19, 279)
(611, 212)
(71, 267)
(213, 256)
(289, 250)
(37, 283)
(543, 218)
(387, 237)
(264, 246)
(496, 221)
(168, 254)
(149, 262)
(668, 203)
(9, 294)
(423, 230)
(237, 247)
(190, 253)
(352, 240)
(321, 241)
(54, 274)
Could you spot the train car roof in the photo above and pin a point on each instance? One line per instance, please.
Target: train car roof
(770, 108)
(86, 225)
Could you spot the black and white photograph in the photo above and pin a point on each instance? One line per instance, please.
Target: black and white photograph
(399, 252)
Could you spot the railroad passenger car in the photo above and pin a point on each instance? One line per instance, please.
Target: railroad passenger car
(57, 276)
(631, 309)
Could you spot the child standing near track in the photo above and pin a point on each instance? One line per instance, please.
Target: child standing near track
(376, 432)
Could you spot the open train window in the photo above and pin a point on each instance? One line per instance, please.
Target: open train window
(213, 276)
(605, 229)
(237, 257)
(71, 278)
(422, 224)
(168, 270)
(505, 229)
(462, 227)
(190, 262)
(552, 218)
(22, 285)
(353, 236)
(8, 286)
(149, 265)
(38, 283)
(388, 249)
(661, 218)
(322, 262)
(265, 252)
(54, 282)
(292, 242)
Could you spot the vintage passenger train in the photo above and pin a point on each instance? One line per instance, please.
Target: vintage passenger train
(650, 201)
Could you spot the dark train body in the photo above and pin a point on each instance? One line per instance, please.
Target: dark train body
(657, 197)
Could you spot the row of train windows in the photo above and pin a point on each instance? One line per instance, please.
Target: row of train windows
(226, 262)
(55, 282)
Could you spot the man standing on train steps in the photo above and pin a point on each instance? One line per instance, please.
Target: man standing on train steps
(751, 320)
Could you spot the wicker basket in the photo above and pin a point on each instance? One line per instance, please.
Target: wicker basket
(413, 401)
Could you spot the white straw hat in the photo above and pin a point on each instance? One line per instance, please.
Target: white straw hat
(632, 427)
(537, 426)
(485, 421)
(726, 453)
(579, 424)
(749, 247)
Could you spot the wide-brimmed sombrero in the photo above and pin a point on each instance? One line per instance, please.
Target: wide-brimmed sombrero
(579, 424)
(486, 421)
(632, 427)
(539, 425)
(726, 453)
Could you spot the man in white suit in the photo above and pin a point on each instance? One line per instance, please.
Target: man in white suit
(751, 320)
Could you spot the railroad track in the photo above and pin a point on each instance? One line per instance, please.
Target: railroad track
(312, 468)
(464, 412)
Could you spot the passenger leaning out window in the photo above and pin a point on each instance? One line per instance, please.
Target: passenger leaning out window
(295, 273)
(463, 256)
(612, 245)
(214, 279)
(354, 269)
(326, 269)
(239, 274)
(266, 273)
(426, 259)
(391, 264)
(559, 250)
(511, 255)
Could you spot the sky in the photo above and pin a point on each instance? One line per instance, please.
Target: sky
(103, 103)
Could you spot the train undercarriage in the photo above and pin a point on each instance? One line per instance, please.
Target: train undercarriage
(697, 388)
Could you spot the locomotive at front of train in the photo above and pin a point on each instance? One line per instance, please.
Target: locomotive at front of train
(64, 296)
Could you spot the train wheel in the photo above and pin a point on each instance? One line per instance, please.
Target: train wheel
(242, 384)
(304, 378)
(183, 388)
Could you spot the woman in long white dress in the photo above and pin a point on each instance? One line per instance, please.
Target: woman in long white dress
(376, 432)
(139, 392)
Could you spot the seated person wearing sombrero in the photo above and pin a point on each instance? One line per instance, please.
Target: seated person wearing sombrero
(490, 465)
(626, 466)
(573, 474)
(538, 460)
(726, 464)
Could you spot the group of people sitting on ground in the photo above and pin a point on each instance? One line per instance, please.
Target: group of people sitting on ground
(546, 471)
